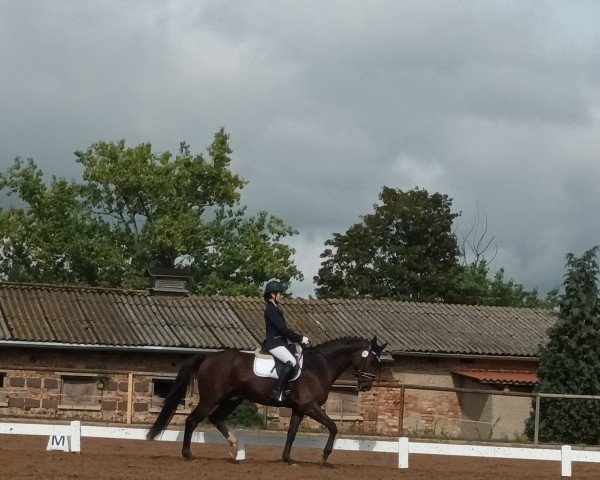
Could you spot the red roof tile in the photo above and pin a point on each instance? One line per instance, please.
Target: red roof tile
(504, 377)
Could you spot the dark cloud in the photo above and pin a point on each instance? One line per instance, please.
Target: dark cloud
(494, 103)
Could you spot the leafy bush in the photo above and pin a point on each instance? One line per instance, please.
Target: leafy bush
(246, 415)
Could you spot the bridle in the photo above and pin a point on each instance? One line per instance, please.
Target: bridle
(360, 374)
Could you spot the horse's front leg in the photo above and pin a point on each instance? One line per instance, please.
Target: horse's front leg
(316, 412)
(291, 435)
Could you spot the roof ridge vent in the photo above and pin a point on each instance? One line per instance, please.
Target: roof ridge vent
(168, 281)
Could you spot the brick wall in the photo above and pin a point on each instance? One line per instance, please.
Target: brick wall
(32, 388)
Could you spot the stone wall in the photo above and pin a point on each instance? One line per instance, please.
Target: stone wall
(36, 393)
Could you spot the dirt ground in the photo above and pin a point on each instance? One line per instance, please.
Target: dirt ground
(24, 457)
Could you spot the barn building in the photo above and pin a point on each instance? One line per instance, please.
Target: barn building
(110, 355)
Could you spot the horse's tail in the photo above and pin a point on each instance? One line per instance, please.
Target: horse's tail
(177, 392)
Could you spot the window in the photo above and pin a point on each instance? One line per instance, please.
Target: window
(79, 392)
(343, 404)
(160, 389)
(3, 382)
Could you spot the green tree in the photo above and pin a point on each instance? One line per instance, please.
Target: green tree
(53, 239)
(473, 285)
(404, 250)
(570, 361)
(136, 209)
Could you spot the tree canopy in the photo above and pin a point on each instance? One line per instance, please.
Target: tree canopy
(407, 250)
(474, 284)
(404, 250)
(136, 209)
(570, 361)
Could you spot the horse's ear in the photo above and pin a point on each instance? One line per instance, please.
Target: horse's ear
(382, 348)
(374, 342)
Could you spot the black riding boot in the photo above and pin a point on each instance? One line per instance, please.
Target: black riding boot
(286, 373)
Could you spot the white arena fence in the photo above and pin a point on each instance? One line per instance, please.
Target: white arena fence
(68, 438)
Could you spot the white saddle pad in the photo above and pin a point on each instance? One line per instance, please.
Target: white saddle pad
(265, 367)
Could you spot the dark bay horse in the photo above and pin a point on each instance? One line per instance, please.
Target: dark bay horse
(226, 378)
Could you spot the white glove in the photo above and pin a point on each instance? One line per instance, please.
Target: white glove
(305, 341)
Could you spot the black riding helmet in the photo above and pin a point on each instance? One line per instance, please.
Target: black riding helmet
(274, 286)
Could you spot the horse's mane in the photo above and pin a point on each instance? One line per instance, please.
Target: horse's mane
(336, 342)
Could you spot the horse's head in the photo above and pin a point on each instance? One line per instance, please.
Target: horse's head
(366, 364)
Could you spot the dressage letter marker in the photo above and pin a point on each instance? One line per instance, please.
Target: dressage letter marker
(59, 442)
(69, 441)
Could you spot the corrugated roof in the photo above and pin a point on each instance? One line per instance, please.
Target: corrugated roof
(503, 377)
(97, 316)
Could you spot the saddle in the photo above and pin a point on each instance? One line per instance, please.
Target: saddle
(267, 366)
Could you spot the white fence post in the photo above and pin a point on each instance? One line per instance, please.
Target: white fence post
(403, 452)
(75, 443)
(565, 460)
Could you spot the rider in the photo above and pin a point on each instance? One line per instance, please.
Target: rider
(278, 335)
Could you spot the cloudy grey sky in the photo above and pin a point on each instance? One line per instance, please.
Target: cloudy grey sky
(496, 103)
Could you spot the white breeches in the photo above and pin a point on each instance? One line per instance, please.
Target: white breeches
(283, 354)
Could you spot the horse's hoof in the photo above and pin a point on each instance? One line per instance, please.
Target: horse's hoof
(189, 456)
(234, 457)
(325, 464)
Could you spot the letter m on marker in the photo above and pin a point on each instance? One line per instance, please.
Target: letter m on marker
(59, 442)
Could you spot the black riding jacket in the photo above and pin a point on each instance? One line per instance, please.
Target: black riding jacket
(277, 331)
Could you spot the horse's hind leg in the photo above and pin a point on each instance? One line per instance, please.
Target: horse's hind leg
(218, 418)
(191, 422)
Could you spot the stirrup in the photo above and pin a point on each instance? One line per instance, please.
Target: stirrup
(278, 396)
